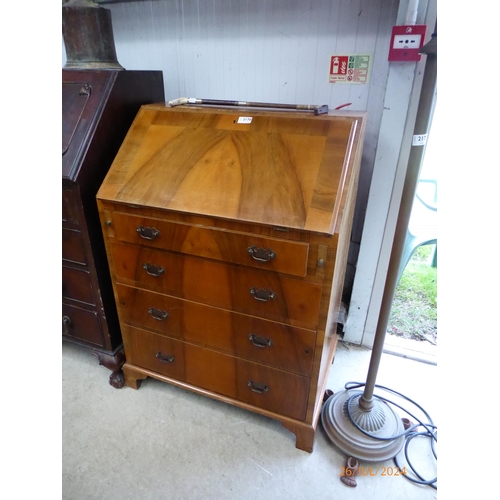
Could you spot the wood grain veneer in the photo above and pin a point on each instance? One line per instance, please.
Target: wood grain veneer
(227, 244)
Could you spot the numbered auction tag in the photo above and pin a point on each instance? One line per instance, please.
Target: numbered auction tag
(245, 119)
(419, 140)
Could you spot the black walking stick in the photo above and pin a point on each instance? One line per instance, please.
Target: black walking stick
(318, 110)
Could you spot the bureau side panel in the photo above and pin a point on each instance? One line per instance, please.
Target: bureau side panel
(335, 270)
(327, 251)
(342, 252)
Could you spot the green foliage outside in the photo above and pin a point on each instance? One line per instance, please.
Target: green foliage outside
(414, 309)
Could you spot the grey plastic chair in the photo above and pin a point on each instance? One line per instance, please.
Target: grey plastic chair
(422, 228)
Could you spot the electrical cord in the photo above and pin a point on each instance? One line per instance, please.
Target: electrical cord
(410, 433)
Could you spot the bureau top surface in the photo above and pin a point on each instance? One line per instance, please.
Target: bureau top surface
(275, 168)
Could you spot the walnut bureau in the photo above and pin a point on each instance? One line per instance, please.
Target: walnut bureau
(227, 232)
(98, 107)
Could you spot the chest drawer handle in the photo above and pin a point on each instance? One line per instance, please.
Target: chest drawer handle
(66, 321)
(258, 387)
(259, 341)
(158, 314)
(261, 254)
(153, 270)
(148, 233)
(165, 358)
(261, 294)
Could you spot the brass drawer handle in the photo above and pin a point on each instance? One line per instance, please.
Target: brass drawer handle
(148, 233)
(158, 314)
(261, 254)
(153, 270)
(261, 294)
(165, 358)
(258, 387)
(259, 341)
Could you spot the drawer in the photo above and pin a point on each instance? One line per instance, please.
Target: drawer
(69, 206)
(73, 248)
(77, 285)
(271, 254)
(261, 386)
(258, 293)
(274, 344)
(81, 324)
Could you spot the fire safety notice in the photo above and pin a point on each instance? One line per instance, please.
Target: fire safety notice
(349, 69)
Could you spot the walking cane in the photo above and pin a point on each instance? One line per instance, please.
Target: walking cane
(318, 110)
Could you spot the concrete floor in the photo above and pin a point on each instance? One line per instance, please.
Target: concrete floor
(165, 442)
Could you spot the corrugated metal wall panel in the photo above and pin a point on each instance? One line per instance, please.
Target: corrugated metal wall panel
(256, 50)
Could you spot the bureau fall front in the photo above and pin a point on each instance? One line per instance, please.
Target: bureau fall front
(227, 242)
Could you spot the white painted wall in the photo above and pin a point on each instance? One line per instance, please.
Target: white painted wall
(279, 51)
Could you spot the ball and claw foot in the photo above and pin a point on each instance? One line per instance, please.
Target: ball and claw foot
(351, 471)
(117, 379)
(113, 362)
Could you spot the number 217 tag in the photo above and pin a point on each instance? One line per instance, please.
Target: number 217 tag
(419, 140)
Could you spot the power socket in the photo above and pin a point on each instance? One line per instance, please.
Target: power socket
(406, 41)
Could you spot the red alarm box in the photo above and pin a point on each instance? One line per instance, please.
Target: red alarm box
(406, 41)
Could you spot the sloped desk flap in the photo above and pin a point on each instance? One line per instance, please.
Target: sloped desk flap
(274, 168)
(84, 95)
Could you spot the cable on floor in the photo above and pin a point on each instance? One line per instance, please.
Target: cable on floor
(430, 430)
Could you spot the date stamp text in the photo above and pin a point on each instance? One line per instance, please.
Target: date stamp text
(374, 471)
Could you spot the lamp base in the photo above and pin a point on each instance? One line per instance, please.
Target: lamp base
(381, 421)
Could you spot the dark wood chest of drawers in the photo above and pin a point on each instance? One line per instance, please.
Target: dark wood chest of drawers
(227, 234)
(97, 110)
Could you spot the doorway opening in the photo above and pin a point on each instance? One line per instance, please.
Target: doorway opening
(412, 326)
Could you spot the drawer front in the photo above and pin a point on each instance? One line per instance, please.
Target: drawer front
(73, 249)
(77, 285)
(82, 325)
(69, 206)
(261, 386)
(281, 346)
(162, 355)
(271, 254)
(261, 294)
